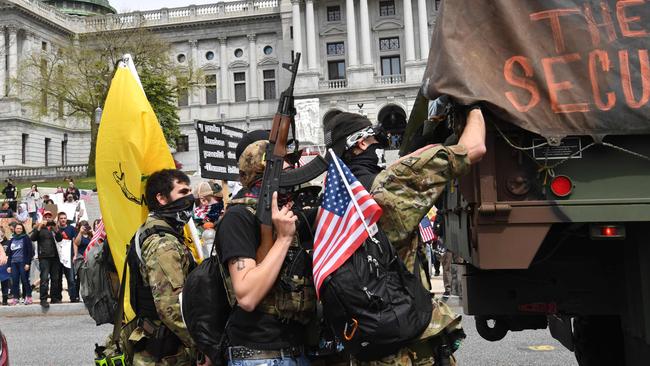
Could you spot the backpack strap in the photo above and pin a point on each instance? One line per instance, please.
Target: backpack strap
(119, 312)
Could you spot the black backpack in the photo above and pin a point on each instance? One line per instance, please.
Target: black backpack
(206, 307)
(373, 303)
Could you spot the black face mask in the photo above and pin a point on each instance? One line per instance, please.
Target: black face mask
(177, 213)
(372, 158)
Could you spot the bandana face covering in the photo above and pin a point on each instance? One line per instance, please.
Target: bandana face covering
(178, 212)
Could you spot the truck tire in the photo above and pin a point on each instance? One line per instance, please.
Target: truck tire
(492, 334)
(598, 340)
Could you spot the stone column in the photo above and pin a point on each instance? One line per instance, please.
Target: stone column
(409, 42)
(3, 74)
(223, 71)
(252, 66)
(312, 56)
(351, 47)
(194, 92)
(13, 57)
(365, 33)
(297, 30)
(423, 29)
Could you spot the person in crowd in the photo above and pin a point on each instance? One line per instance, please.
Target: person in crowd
(73, 190)
(352, 137)
(210, 206)
(47, 200)
(48, 258)
(263, 323)
(79, 245)
(4, 275)
(10, 194)
(20, 256)
(34, 201)
(6, 212)
(65, 231)
(22, 216)
(159, 265)
(59, 189)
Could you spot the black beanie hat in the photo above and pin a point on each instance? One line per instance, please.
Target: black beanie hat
(339, 127)
(248, 139)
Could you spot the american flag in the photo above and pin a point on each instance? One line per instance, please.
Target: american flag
(100, 234)
(340, 230)
(426, 230)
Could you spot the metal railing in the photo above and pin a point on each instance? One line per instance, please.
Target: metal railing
(390, 79)
(333, 84)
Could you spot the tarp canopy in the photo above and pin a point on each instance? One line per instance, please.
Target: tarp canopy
(553, 67)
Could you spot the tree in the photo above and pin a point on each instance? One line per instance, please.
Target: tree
(72, 80)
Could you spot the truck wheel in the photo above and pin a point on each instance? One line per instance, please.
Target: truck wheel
(598, 340)
(493, 333)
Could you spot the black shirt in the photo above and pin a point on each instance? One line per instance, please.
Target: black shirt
(239, 237)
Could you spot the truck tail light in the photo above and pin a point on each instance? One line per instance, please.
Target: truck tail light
(561, 186)
(607, 231)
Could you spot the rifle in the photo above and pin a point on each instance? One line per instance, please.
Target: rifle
(274, 177)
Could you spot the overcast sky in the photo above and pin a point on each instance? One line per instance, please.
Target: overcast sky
(129, 5)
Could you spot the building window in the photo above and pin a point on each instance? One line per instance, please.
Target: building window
(291, 32)
(211, 89)
(388, 44)
(44, 72)
(386, 8)
(24, 148)
(240, 86)
(209, 55)
(181, 58)
(335, 49)
(333, 13)
(336, 70)
(239, 52)
(390, 65)
(44, 46)
(183, 95)
(268, 50)
(182, 143)
(269, 84)
(47, 150)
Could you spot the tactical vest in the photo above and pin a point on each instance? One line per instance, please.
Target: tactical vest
(140, 292)
(293, 296)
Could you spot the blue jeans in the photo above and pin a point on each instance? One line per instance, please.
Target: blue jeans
(286, 361)
(18, 275)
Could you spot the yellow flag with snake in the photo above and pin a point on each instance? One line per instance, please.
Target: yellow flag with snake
(130, 146)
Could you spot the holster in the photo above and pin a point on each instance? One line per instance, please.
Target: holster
(160, 341)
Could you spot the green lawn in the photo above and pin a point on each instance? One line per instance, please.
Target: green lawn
(81, 183)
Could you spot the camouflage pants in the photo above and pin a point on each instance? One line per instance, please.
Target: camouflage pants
(181, 358)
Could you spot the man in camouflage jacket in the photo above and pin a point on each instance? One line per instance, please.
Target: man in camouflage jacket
(163, 263)
(406, 191)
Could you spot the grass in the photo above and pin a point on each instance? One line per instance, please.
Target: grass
(81, 183)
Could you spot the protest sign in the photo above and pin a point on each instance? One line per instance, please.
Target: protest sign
(217, 144)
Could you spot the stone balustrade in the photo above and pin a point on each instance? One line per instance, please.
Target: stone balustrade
(149, 18)
(333, 84)
(47, 172)
(390, 79)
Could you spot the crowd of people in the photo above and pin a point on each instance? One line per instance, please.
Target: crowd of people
(35, 243)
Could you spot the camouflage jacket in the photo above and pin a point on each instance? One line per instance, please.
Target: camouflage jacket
(408, 189)
(165, 265)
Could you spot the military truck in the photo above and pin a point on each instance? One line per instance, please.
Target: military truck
(554, 223)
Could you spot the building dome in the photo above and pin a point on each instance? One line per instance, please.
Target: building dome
(82, 7)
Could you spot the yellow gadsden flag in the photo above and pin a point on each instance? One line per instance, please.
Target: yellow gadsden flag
(130, 147)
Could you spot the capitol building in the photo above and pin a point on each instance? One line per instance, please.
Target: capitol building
(363, 56)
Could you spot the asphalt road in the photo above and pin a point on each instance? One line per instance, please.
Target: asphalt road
(69, 340)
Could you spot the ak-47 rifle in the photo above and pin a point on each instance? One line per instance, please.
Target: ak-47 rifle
(274, 178)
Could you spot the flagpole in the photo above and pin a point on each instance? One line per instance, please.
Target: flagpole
(347, 186)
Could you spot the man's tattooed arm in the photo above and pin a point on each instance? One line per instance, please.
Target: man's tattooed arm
(240, 263)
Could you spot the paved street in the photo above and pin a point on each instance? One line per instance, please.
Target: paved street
(69, 340)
